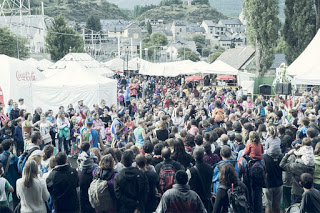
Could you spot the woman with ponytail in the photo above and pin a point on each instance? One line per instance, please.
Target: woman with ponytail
(31, 190)
(273, 142)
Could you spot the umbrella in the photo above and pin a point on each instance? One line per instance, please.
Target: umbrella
(194, 78)
(226, 78)
(118, 71)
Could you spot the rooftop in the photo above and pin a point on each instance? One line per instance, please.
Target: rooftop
(237, 57)
(231, 21)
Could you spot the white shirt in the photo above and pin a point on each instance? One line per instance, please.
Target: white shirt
(22, 106)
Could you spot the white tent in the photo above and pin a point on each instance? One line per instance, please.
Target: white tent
(220, 68)
(83, 61)
(306, 68)
(136, 63)
(116, 64)
(72, 85)
(15, 74)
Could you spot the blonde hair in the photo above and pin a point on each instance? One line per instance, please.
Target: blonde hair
(97, 153)
(36, 158)
(30, 172)
(52, 162)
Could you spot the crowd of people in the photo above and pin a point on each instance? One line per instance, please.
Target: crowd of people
(167, 146)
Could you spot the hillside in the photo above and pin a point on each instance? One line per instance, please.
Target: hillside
(194, 14)
(77, 10)
(129, 4)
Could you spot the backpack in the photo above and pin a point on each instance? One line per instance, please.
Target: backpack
(256, 173)
(238, 201)
(167, 173)
(99, 195)
(44, 169)
(24, 157)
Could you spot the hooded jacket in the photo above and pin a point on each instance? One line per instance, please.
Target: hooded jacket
(296, 168)
(131, 188)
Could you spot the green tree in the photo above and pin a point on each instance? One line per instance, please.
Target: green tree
(149, 28)
(170, 2)
(299, 27)
(281, 45)
(199, 38)
(61, 39)
(158, 39)
(185, 53)
(317, 8)
(199, 2)
(93, 23)
(206, 52)
(213, 56)
(263, 25)
(13, 46)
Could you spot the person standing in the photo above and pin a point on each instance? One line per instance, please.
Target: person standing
(36, 116)
(18, 137)
(311, 196)
(62, 184)
(63, 126)
(21, 104)
(14, 113)
(131, 186)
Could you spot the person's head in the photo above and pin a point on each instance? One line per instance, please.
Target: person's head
(238, 138)
(207, 148)
(294, 113)
(80, 103)
(227, 175)
(317, 149)
(141, 161)
(311, 133)
(52, 162)
(254, 137)
(30, 171)
(198, 154)
(306, 180)
(112, 153)
(106, 162)
(147, 147)
(306, 142)
(162, 125)
(305, 121)
(218, 104)
(236, 126)
(47, 152)
(157, 149)
(224, 139)
(36, 138)
(85, 146)
(10, 102)
(198, 140)
(193, 122)
(97, 153)
(181, 177)
(281, 130)
(135, 150)
(127, 158)
(18, 121)
(15, 105)
(225, 152)
(61, 158)
(6, 145)
(166, 153)
(189, 140)
(272, 131)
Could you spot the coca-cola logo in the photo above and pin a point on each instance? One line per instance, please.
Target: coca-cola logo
(25, 76)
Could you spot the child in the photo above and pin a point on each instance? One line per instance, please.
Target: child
(261, 111)
(306, 152)
(108, 132)
(5, 189)
(238, 140)
(86, 159)
(122, 143)
(254, 148)
(27, 140)
(75, 132)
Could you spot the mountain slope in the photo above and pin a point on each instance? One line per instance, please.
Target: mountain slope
(129, 4)
(194, 14)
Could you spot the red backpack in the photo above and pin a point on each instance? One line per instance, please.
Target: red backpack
(167, 173)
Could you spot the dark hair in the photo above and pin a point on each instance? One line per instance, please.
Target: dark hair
(198, 140)
(228, 175)
(193, 122)
(214, 137)
(311, 132)
(6, 144)
(157, 149)
(238, 138)
(35, 136)
(181, 177)
(117, 154)
(26, 115)
(273, 132)
(281, 129)
(198, 154)
(207, 148)
(306, 142)
(189, 140)
(47, 152)
(166, 153)
(225, 151)
(219, 131)
(294, 113)
(179, 151)
(85, 146)
(111, 152)
(127, 158)
(141, 160)
(147, 147)
(61, 158)
(306, 180)
(218, 104)
(305, 121)
(231, 136)
(21, 112)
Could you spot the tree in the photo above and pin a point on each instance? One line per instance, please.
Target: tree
(158, 39)
(214, 56)
(299, 27)
(61, 39)
(199, 2)
(263, 25)
(317, 8)
(149, 28)
(185, 53)
(93, 23)
(281, 46)
(170, 2)
(13, 46)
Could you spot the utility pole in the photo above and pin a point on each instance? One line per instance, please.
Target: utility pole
(118, 46)
(141, 49)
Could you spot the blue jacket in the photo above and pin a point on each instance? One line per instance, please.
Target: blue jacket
(18, 135)
(12, 176)
(216, 172)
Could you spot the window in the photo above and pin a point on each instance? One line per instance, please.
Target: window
(180, 30)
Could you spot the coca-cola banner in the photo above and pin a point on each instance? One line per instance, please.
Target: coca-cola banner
(25, 76)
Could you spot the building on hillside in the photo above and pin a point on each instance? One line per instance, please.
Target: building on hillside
(32, 27)
(173, 47)
(129, 48)
(133, 30)
(155, 22)
(193, 30)
(178, 29)
(233, 25)
(212, 30)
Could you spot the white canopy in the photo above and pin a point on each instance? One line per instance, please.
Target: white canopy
(116, 64)
(15, 74)
(136, 63)
(72, 85)
(306, 68)
(220, 68)
(81, 60)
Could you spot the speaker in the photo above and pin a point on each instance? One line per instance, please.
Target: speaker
(265, 89)
(279, 88)
(286, 88)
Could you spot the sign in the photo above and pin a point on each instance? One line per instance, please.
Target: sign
(25, 76)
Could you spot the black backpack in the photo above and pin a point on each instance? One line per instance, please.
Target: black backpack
(167, 173)
(256, 173)
(238, 200)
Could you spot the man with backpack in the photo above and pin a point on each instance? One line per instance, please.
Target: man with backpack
(180, 198)
(167, 169)
(62, 183)
(9, 163)
(200, 177)
(131, 186)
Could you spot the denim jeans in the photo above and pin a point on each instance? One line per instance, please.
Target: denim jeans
(65, 145)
